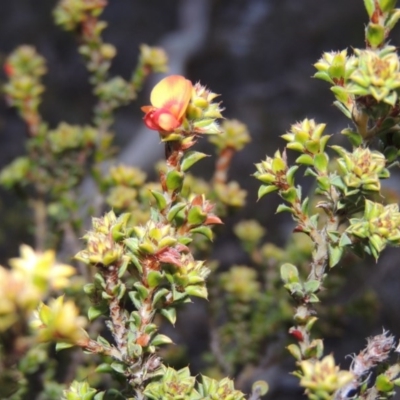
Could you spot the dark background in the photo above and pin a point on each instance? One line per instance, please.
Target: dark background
(257, 54)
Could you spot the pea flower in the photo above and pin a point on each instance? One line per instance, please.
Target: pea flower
(169, 101)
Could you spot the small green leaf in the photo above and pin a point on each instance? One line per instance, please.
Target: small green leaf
(178, 295)
(321, 161)
(122, 269)
(62, 345)
(370, 7)
(295, 351)
(319, 345)
(387, 5)
(345, 240)
(312, 298)
(289, 273)
(194, 279)
(89, 289)
(383, 383)
(160, 340)
(142, 290)
(394, 16)
(190, 158)
(121, 291)
(305, 159)
(135, 318)
(305, 205)
(100, 395)
(314, 219)
(174, 211)
(99, 280)
(104, 368)
(185, 240)
(203, 230)
(266, 178)
(169, 314)
(312, 146)
(159, 294)
(96, 311)
(323, 183)
(135, 261)
(278, 165)
(310, 172)
(296, 146)
(397, 382)
(312, 286)
(196, 215)
(265, 189)
(147, 247)
(154, 278)
(337, 68)
(290, 174)
(338, 182)
(375, 34)
(294, 287)
(324, 141)
(290, 195)
(174, 180)
(197, 291)
(310, 323)
(333, 236)
(204, 123)
(132, 244)
(335, 254)
(136, 299)
(390, 153)
(106, 296)
(310, 352)
(340, 93)
(118, 367)
(134, 350)
(324, 76)
(150, 329)
(160, 199)
(284, 207)
(103, 341)
(343, 109)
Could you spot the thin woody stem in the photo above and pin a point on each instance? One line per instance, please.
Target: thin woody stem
(305, 311)
(222, 165)
(98, 67)
(320, 256)
(32, 119)
(117, 314)
(40, 218)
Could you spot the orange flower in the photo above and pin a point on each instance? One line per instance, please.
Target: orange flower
(8, 69)
(169, 101)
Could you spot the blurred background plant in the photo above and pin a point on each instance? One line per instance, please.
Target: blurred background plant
(143, 259)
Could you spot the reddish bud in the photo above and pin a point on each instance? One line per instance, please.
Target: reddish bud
(143, 340)
(297, 334)
(8, 69)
